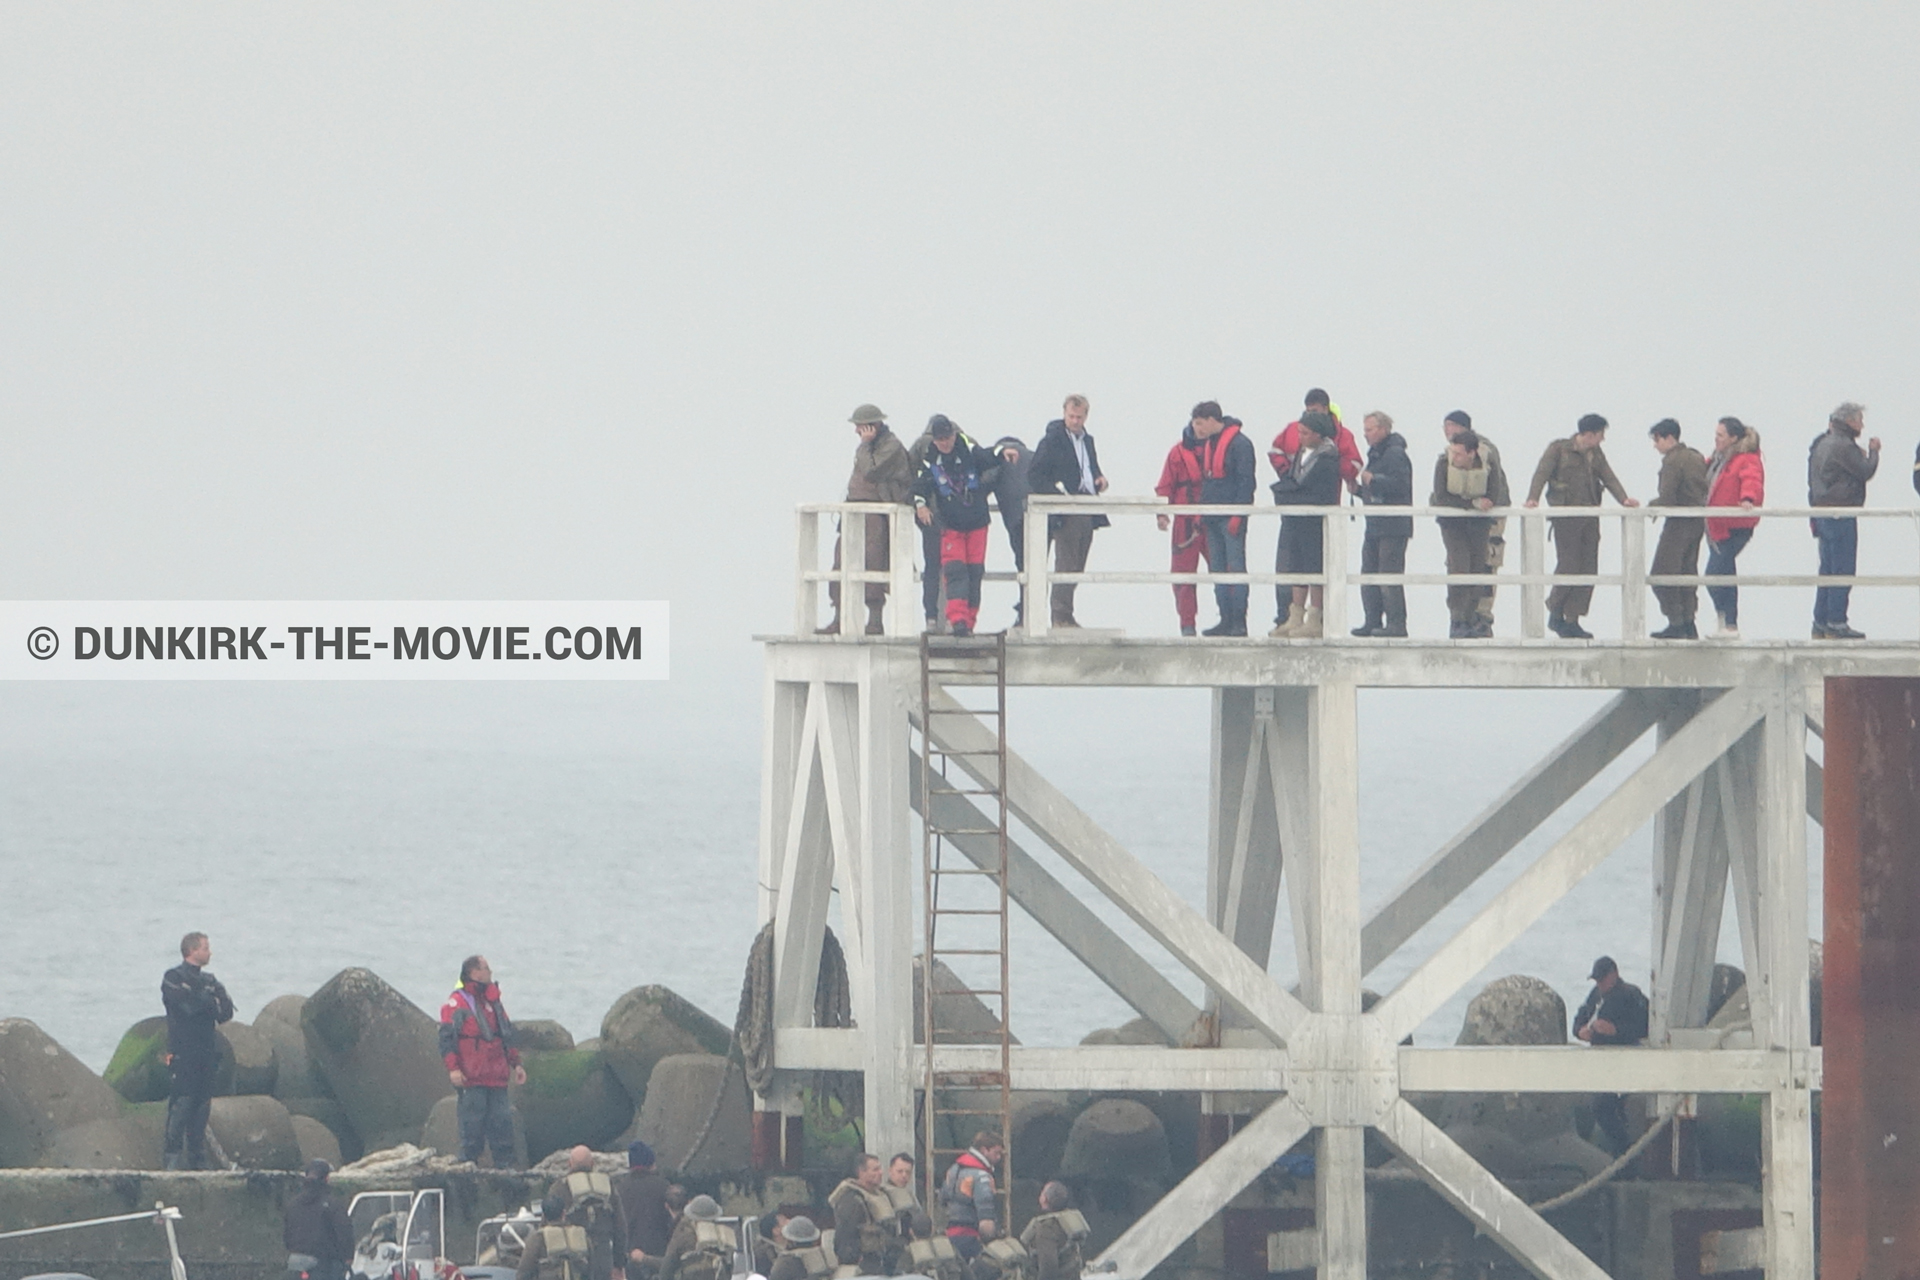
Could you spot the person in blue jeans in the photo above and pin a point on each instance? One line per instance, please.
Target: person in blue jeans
(1227, 474)
(1837, 474)
(1736, 477)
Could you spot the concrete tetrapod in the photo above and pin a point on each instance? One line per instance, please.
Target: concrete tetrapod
(295, 1075)
(254, 1066)
(379, 1053)
(137, 1073)
(256, 1132)
(43, 1090)
(680, 1097)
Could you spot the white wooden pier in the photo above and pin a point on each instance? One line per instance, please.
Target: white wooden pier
(1729, 786)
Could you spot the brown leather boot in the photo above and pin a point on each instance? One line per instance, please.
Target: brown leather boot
(876, 620)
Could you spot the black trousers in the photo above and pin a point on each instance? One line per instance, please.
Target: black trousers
(1384, 553)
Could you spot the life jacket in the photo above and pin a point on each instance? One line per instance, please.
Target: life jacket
(813, 1258)
(881, 1230)
(1468, 482)
(1213, 452)
(927, 1255)
(956, 1191)
(1008, 1255)
(566, 1253)
(1071, 1223)
(900, 1199)
(590, 1200)
(711, 1257)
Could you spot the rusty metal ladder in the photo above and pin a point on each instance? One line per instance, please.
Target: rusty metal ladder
(964, 907)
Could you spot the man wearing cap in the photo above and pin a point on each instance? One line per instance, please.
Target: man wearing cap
(642, 1194)
(954, 481)
(882, 472)
(1574, 472)
(316, 1234)
(1615, 1013)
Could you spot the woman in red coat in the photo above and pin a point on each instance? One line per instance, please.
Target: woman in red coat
(1735, 478)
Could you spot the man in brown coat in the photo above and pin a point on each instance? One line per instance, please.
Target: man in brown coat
(1574, 472)
(882, 472)
(1683, 483)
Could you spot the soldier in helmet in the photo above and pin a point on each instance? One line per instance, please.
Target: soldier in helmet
(800, 1256)
(702, 1247)
(559, 1250)
(1054, 1238)
(1001, 1258)
(865, 1228)
(586, 1199)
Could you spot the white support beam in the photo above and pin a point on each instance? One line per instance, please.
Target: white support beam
(806, 877)
(1524, 901)
(1203, 1193)
(1340, 1202)
(1787, 1132)
(1334, 850)
(1463, 1183)
(1574, 1069)
(886, 857)
(1124, 879)
(1505, 823)
(1733, 776)
(1289, 764)
(784, 707)
(1070, 921)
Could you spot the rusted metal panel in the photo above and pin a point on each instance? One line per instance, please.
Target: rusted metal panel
(1870, 1112)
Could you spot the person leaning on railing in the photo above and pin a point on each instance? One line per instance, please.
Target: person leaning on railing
(1736, 477)
(1067, 462)
(1462, 478)
(1837, 474)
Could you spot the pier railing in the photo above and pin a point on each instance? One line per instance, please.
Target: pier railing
(1339, 537)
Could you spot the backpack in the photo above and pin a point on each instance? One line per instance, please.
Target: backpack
(711, 1257)
(566, 1253)
(814, 1259)
(590, 1200)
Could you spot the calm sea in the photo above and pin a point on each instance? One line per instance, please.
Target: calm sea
(589, 841)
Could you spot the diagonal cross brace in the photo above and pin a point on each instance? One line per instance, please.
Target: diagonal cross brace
(1123, 878)
(1670, 770)
(1204, 1192)
(1071, 922)
(1505, 823)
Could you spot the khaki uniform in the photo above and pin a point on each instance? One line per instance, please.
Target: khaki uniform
(699, 1251)
(882, 472)
(1054, 1241)
(1572, 478)
(810, 1263)
(1496, 529)
(1467, 538)
(936, 1257)
(587, 1200)
(558, 1253)
(1683, 483)
(865, 1227)
(1003, 1258)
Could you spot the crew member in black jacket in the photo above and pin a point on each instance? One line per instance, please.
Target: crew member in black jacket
(196, 1003)
(1386, 481)
(953, 484)
(316, 1232)
(1067, 463)
(1615, 1013)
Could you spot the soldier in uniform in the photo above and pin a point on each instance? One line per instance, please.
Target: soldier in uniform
(1002, 1258)
(1574, 472)
(1054, 1238)
(586, 1200)
(701, 1248)
(800, 1256)
(898, 1189)
(932, 1255)
(866, 1230)
(558, 1250)
(1683, 483)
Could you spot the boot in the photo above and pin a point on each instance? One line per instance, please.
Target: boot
(832, 628)
(1724, 630)
(1228, 625)
(1371, 627)
(1672, 631)
(1392, 629)
(1309, 628)
(1283, 629)
(876, 620)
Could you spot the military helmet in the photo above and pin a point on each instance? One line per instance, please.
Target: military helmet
(867, 413)
(800, 1231)
(703, 1209)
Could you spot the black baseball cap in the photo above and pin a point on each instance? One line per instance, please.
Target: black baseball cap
(1602, 967)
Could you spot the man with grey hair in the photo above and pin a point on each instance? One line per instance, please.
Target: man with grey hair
(1053, 1239)
(1066, 462)
(1837, 474)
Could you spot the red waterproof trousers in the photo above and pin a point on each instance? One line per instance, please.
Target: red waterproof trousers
(963, 563)
(1189, 548)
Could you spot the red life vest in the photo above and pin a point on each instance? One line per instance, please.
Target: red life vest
(1214, 452)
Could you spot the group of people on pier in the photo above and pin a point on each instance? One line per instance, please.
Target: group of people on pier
(1316, 461)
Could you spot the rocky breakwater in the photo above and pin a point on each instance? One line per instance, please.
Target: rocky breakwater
(356, 1067)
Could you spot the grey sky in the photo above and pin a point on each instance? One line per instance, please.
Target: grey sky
(494, 302)
(338, 301)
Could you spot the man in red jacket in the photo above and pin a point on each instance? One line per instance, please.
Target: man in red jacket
(476, 1040)
(1180, 481)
